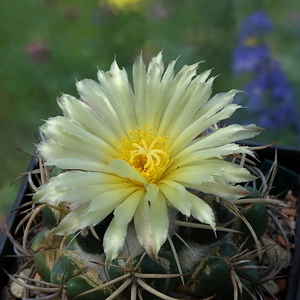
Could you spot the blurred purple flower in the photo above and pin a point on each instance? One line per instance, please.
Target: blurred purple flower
(38, 51)
(247, 58)
(251, 48)
(270, 97)
(256, 24)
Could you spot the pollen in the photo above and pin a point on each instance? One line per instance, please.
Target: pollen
(147, 151)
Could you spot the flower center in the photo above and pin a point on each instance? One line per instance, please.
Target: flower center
(147, 152)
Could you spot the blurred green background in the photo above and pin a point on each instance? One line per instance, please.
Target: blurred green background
(46, 45)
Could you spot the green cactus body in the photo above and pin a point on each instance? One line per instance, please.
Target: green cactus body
(245, 295)
(60, 259)
(52, 217)
(251, 274)
(145, 265)
(67, 266)
(90, 243)
(226, 249)
(45, 240)
(254, 193)
(85, 282)
(209, 278)
(165, 265)
(257, 215)
(44, 262)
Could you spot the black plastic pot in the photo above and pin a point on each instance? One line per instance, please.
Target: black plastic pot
(287, 178)
(6, 247)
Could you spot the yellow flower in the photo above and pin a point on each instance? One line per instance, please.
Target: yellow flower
(134, 151)
(126, 4)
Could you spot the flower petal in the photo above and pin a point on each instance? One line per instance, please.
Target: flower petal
(207, 170)
(194, 174)
(222, 189)
(151, 224)
(159, 222)
(198, 94)
(69, 135)
(152, 192)
(110, 198)
(69, 146)
(113, 240)
(85, 116)
(219, 152)
(125, 211)
(91, 213)
(117, 89)
(216, 104)
(230, 172)
(142, 227)
(70, 223)
(140, 87)
(92, 93)
(68, 159)
(201, 210)
(200, 125)
(77, 187)
(220, 137)
(177, 97)
(231, 133)
(153, 101)
(175, 193)
(123, 169)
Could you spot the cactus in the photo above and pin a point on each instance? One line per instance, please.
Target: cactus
(210, 250)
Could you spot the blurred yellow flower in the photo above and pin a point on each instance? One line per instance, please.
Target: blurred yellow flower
(134, 151)
(125, 4)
